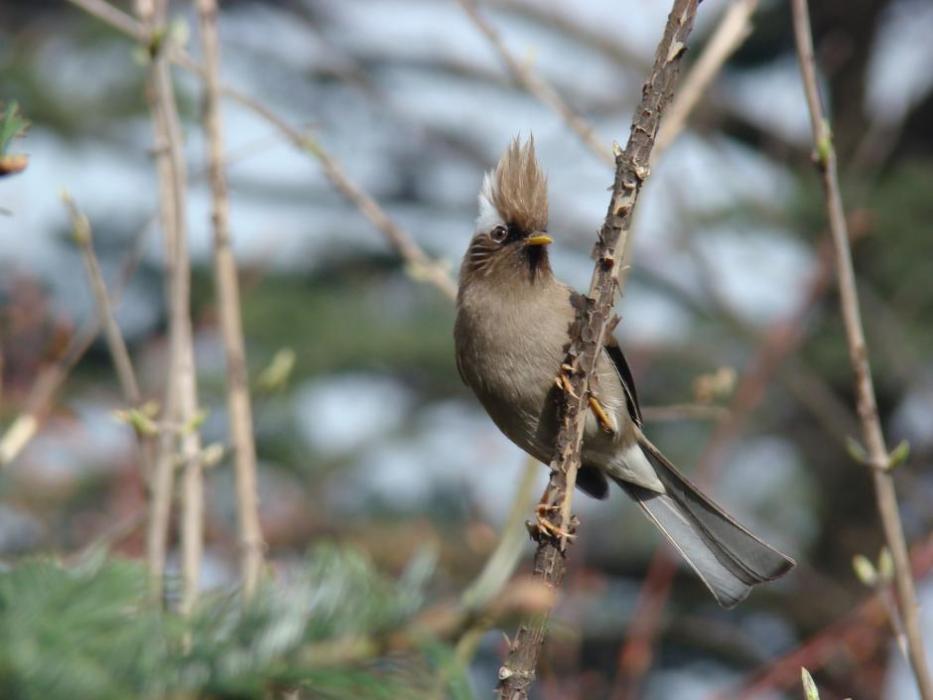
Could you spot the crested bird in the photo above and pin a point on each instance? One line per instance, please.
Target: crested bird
(511, 335)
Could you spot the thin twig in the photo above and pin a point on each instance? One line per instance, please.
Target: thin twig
(117, 345)
(228, 299)
(595, 320)
(732, 30)
(566, 25)
(684, 411)
(537, 86)
(780, 340)
(502, 562)
(734, 27)
(842, 638)
(38, 404)
(180, 405)
(879, 461)
(420, 266)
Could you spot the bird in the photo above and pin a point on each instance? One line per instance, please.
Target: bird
(511, 336)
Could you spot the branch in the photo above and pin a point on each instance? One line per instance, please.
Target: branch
(857, 630)
(228, 296)
(524, 76)
(567, 25)
(733, 29)
(180, 405)
(26, 425)
(107, 319)
(595, 320)
(879, 460)
(420, 266)
(779, 341)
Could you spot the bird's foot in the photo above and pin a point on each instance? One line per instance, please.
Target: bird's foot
(543, 527)
(563, 381)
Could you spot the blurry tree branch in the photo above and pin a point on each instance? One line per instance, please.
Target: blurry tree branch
(776, 344)
(526, 77)
(180, 403)
(501, 563)
(123, 364)
(684, 411)
(595, 320)
(860, 629)
(609, 44)
(733, 29)
(879, 461)
(228, 296)
(419, 264)
(39, 401)
(450, 620)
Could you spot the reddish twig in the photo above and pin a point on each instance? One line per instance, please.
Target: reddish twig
(778, 343)
(859, 628)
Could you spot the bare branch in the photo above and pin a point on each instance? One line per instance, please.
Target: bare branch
(859, 629)
(879, 460)
(420, 266)
(595, 320)
(180, 404)
(26, 425)
(118, 351)
(524, 76)
(733, 29)
(228, 299)
(684, 411)
(779, 341)
(565, 23)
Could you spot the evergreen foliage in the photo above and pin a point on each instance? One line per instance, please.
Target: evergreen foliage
(91, 631)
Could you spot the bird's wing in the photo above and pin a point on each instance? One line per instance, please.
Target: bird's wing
(625, 377)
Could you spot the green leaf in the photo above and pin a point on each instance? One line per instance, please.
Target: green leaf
(12, 126)
(855, 450)
(899, 455)
(885, 565)
(809, 687)
(864, 570)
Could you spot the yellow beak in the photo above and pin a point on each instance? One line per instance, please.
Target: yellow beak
(538, 239)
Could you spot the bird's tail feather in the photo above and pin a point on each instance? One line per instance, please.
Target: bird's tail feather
(726, 556)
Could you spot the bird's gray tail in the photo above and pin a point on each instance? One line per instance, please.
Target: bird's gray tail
(727, 557)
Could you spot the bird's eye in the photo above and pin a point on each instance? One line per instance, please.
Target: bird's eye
(499, 234)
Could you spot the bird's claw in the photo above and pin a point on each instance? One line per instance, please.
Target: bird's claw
(562, 380)
(544, 527)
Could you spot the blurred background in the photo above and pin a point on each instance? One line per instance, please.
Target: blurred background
(366, 437)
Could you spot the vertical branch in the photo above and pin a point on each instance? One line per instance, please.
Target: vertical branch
(878, 459)
(228, 295)
(179, 435)
(595, 320)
